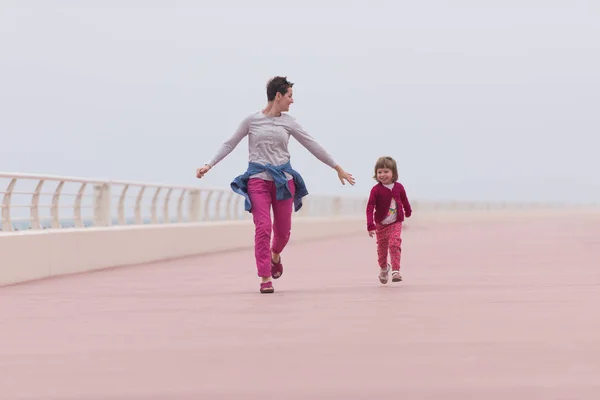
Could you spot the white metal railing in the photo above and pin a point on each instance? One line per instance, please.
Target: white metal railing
(42, 202)
(79, 202)
(448, 206)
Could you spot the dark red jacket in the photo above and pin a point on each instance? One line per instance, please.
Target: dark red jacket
(379, 204)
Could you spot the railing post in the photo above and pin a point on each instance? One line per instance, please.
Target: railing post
(6, 201)
(180, 206)
(102, 205)
(77, 206)
(55, 208)
(35, 202)
(138, 206)
(206, 214)
(218, 206)
(337, 206)
(154, 214)
(194, 205)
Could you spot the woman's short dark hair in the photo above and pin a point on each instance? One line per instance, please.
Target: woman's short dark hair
(279, 84)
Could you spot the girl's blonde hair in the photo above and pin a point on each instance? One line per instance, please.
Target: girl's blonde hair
(387, 162)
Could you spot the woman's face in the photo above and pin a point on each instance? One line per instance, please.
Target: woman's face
(285, 100)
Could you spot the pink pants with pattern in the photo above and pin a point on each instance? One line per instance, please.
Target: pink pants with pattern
(263, 196)
(389, 238)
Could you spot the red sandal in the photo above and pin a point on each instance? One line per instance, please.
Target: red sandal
(267, 287)
(276, 269)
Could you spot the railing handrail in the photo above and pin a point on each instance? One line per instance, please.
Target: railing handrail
(194, 203)
(75, 179)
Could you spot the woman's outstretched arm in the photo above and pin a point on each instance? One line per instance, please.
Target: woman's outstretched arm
(231, 143)
(226, 148)
(306, 140)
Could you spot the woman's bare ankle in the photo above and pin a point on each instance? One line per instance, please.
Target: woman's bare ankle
(275, 257)
(265, 279)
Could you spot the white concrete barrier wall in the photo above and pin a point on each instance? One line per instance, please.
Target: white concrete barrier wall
(32, 255)
(37, 254)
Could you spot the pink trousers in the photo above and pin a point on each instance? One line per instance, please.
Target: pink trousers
(389, 239)
(262, 195)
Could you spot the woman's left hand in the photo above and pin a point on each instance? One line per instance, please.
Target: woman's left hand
(200, 172)
(343, 175)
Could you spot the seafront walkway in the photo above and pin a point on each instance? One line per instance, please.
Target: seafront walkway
(494, 305)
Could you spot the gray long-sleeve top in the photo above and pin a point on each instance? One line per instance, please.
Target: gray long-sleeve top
(268, 139)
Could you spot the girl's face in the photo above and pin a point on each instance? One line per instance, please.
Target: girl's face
(384, 175)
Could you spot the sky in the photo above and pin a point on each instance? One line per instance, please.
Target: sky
(477, 100)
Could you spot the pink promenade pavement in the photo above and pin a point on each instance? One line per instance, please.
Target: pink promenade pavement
(498, 307)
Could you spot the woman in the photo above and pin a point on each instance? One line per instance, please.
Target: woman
(270, 180)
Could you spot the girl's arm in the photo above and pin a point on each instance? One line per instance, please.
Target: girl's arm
(370, 210)
(405, 203)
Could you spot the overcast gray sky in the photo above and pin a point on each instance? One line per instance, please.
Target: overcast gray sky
(476, 99)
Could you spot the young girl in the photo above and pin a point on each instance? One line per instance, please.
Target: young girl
(386, 209)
